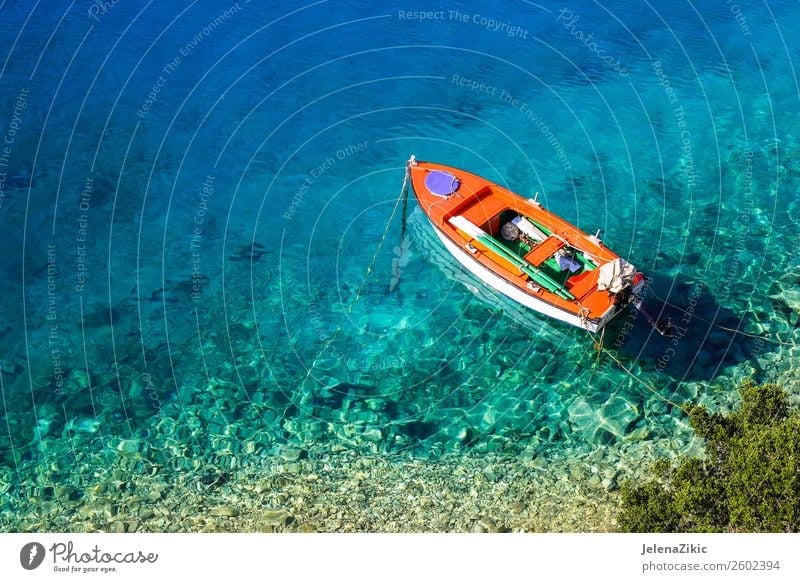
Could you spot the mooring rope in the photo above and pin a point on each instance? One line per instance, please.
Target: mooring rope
(404, 194)
(404, 197)
(730, 329)
(599, 347)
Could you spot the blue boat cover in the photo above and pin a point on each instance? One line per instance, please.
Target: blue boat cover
(441, 183)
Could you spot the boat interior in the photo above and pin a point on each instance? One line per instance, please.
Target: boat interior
(530, 240)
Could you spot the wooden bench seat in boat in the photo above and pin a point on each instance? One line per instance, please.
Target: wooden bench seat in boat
(544, 250)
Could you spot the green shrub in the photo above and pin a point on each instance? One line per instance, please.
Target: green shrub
(748, 481)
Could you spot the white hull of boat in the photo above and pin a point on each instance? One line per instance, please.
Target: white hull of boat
(515, 293)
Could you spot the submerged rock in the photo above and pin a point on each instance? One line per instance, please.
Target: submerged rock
(788, 297)
(280, 517)
(618, 415)
(610, 484)
(132, 448)
(85, 425)
(224, 511)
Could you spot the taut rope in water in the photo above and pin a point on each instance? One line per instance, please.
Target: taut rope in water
(404, 194)
(401, 258)
(599, 347)
(730, 329)
(404, 197)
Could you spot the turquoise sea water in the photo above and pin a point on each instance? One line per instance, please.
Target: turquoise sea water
(192, 195)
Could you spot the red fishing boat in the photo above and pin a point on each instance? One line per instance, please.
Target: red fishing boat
(522, 250)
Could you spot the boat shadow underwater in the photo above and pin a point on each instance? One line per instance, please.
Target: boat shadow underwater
(704, 339)
(698, 350)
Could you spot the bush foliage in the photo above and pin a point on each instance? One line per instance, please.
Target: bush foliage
(749, 480)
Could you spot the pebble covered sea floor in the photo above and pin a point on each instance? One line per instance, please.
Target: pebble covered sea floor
(201, 323)
(337, 492)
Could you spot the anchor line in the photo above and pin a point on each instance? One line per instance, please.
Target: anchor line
(405, 209)
(600, 348)
(730, 329)
(402, 197)
(397, 261)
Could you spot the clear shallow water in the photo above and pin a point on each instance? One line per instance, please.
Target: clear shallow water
(192, 200)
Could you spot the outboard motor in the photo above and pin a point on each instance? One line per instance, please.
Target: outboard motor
(663, 326)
